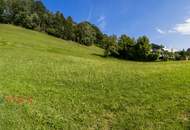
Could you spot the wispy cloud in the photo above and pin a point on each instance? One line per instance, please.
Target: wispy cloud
(90, 14)
(171, 31)
(164, 32)
(183, 28)
(101, 18)
(102, 22)
(160, 31)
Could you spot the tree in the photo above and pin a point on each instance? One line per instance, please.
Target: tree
(49, 23)
(110, 46)
(6, 15)
(58, 24)
(99, 35)
(2, 8)
(32, 21)
(21, 19)
(86, 35)
(69, 29)
(125, 41)
(142, 48)
(188, 50)
(40, 10)
(183, 55)
(125, 44)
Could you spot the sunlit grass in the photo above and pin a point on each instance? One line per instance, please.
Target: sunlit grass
(72, 87)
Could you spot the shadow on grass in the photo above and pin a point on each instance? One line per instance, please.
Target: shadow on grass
(99, 55)
(122, 59)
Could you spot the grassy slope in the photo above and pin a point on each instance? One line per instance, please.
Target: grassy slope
(74, 88)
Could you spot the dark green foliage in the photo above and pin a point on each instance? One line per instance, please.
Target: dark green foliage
(99, 35)
(126, 44)
(166, 56)
(2, 8)
(177, 56)
(110, 46)
(57, 22)
(86, 35)
(182, 55)
(188, 51)
(153, 56)
(32, 21)
(39, 8)
(69, 29)
(128, 48)
(142, 48)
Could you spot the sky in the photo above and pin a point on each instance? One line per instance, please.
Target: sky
(165, 22)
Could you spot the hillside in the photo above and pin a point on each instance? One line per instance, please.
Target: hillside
(69, 86)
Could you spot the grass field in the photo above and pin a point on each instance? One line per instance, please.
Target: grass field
(72, 87)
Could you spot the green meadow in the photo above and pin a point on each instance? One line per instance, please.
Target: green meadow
(73, 87)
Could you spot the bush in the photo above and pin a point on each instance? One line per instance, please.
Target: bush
(153, 56)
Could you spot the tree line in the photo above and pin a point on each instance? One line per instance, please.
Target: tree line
(129, 48)
(140, 49)
(32, 14)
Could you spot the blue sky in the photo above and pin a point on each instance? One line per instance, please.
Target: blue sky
(164, 21)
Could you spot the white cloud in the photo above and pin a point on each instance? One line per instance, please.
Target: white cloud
(183, 28)
(160, 31)
(102, 22)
